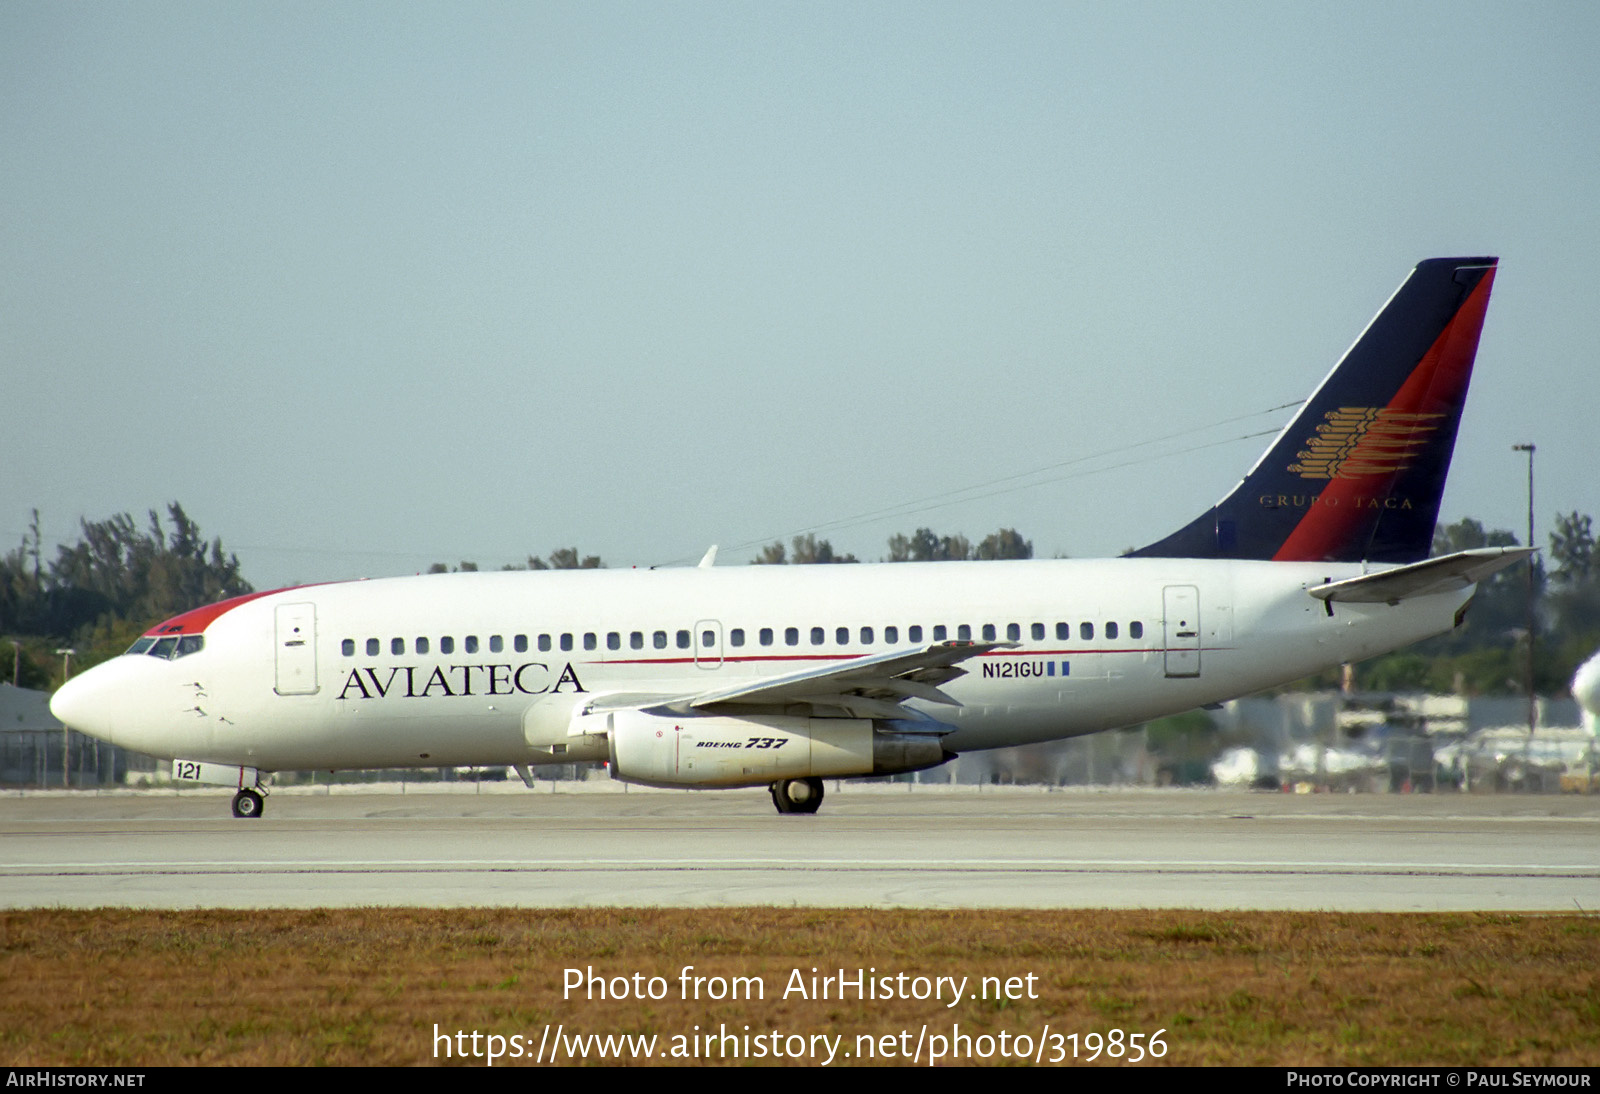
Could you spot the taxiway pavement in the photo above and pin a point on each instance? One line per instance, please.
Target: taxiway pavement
(870, 846)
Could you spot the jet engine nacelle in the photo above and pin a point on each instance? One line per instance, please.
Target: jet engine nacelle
(716, 751)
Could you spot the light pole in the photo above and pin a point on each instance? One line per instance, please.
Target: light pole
(66, 730)
(1532, 711)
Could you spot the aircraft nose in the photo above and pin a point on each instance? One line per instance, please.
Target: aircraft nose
(83, 704)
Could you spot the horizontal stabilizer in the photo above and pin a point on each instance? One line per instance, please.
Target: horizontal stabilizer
(1447, 573)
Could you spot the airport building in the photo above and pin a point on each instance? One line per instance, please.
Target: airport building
(38, 751)
(1320, 741)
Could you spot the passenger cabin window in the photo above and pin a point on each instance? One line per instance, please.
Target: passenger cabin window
(520, 643)
(613, 640)
(791, 636)
(866, 636)
(1013, 632)
(1111, 630)
(914, 632)
(988, 632)
(1038, 632)
(348, 647)
(374, 647)
(659, 640)
(397, 646)
(421, 645)
(544, 643)
(1136, 629)
(683, 640)
(636, 640)
(590, 642)
(1086, 631)
(566, 642)
(964, 632)
(1063, 631)
(447, 645)
(496, 644)
(766, 636)
(891, 635)
(842, 636)
(938, 632)
(817, 636)
(470, 643)
(736, 636)
(708, 640)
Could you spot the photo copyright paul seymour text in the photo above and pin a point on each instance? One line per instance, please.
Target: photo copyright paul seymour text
(1457, 1078)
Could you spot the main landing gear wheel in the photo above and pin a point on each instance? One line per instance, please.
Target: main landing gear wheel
(797, 795)
(248, 803)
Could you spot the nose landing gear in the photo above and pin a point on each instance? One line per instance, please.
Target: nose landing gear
(248, 804)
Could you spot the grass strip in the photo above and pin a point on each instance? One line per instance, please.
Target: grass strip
(371, 986)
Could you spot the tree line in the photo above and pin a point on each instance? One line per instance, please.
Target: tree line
(923, 545)
(101, 592)
(562, 558)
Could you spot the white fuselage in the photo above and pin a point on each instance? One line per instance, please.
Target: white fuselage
(334, 676)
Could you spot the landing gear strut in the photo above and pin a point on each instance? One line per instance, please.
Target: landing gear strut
(248, 803)
(797, 795)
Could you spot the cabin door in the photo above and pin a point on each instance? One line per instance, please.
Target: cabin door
(296, 640)
(1181, 609)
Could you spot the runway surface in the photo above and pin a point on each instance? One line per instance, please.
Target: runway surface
(871, 846)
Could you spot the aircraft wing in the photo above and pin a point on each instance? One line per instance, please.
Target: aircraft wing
(1435, 575)
(861, 687)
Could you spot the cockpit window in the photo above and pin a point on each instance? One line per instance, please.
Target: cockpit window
(170, 648)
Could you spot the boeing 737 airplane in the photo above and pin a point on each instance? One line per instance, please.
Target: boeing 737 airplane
(781, 676)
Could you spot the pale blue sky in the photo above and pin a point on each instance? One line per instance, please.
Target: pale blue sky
(367, 286)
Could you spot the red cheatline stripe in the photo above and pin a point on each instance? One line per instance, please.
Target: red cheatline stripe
(854, 656)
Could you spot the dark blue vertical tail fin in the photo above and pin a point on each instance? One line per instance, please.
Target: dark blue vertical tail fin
(1359, 472)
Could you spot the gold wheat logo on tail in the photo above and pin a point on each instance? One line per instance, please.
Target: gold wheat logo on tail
(1361, 440)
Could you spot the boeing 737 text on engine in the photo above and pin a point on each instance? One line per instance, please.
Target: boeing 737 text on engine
(782, 675)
